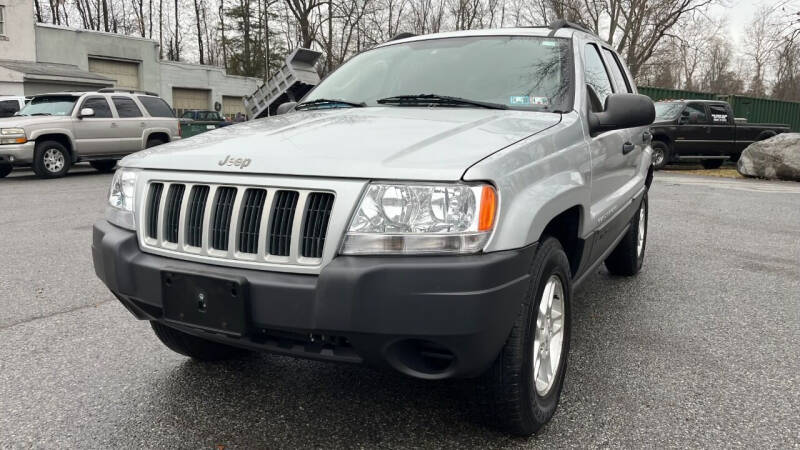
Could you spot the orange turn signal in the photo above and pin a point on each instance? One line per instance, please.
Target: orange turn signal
(21, 140)
(488, 209)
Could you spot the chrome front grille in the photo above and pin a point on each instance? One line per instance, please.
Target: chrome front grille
(237, 223)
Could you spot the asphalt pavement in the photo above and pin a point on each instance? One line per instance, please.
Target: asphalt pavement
(702, 349)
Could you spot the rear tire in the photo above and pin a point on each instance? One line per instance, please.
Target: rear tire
(512, 394)
(712, 163)
(51, 160)
(193, 346)
(5, 169)
(628, 257)
(661, 154)
(104, 165)
(152, 142)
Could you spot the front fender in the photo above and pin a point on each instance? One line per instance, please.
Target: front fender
(537, 179)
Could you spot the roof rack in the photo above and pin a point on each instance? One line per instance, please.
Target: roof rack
(562, 23)
(129, 91)
(402, 35)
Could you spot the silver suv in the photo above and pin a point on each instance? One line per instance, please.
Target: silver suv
(54, 131)
(430, 207)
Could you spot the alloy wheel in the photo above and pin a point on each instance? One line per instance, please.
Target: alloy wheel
(53, 160)
(549, 338)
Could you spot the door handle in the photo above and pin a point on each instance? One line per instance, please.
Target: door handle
(627, 148)
(114, 125)
(141, 124)
(647, 136)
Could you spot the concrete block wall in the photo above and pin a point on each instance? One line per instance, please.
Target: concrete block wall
(73, 46)
(195, 76)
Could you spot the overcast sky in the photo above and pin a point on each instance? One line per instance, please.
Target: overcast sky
(740, 12)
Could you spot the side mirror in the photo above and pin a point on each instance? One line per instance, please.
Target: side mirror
(283, 108)
(623, 111)
(86, 112)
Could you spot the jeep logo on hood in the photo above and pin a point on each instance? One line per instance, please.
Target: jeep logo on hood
(235, 162)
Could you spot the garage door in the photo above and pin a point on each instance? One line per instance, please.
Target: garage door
(231, 106)
(126, 73)
(183, 99)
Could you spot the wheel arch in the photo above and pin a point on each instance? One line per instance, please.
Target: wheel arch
(163, 135)
(663, 137)
(565, 227)
(766, 134)
(60, 137)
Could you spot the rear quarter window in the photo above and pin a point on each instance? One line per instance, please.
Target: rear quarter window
(156, 107)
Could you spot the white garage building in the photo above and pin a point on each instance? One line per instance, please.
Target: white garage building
(37, 58)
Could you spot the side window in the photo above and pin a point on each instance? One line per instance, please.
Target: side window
(100, 106)
(156, 107)
(126, 107)
(617, 72)
(8, 108)
(596, 75)
(719, 114)
(694, 113)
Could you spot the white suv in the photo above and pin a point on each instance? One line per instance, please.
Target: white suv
(54, 131)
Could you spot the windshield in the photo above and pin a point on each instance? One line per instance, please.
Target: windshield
(668, 111)
(520, 72)
(51, 105)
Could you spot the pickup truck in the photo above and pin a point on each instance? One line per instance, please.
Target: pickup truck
(198, 121)
(703, 130)
(54, 131)
(400, 216)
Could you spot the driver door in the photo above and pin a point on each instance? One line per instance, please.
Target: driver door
(96, 135)
(611, 156)
(693, 133)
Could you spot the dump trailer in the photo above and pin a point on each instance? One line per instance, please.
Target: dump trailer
(295, 78)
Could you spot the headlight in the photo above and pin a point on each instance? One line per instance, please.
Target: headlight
(18, 133)
(419, 218)
(121, 199)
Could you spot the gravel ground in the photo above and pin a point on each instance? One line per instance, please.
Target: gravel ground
(699, 350)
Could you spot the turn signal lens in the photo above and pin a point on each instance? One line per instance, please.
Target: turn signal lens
(488, 209)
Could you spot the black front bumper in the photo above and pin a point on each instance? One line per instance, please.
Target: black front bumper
(426, 316)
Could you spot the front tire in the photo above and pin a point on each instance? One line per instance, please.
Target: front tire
(5, 169)
(193, 346)
(661, 154)
(628, 257)
(520, 392)
(51, 160)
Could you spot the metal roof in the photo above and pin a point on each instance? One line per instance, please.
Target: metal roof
(44, 69)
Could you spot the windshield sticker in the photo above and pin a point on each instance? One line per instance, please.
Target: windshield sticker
(720, 117)
(525, 100)
(519, 100)
(548, 44)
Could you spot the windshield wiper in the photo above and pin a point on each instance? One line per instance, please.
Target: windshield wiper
(329, 101)
(41, 114)
(437, 100)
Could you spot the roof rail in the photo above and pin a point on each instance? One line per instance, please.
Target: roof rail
(129, 91)
(402, 35)
(562, 23)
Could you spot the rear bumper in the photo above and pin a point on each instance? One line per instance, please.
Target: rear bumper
(411, 313)
(17, 153)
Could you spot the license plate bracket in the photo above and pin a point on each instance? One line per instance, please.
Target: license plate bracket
(208, 302)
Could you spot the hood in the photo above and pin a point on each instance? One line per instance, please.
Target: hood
(24, 121)
(373, 142)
